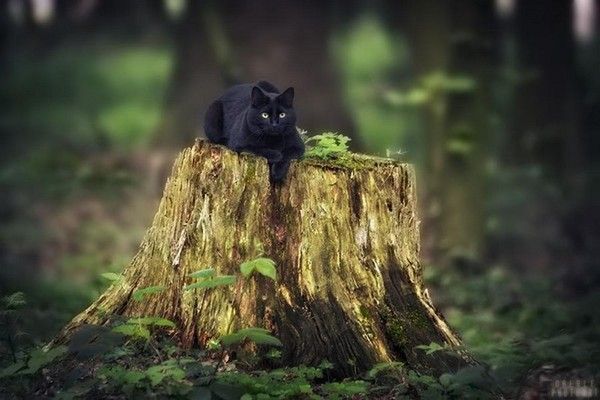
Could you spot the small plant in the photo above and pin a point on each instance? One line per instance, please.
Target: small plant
(207, 279)
(139, 328)
(140, 294)
(37, 359)
(256, 335)
(9, 305)
(327, 146)
(111, 276)
(264, 266)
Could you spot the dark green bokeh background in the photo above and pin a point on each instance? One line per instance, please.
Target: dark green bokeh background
(496, 103)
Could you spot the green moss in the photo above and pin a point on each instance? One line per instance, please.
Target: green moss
(349, 161)
(396, 331)
(364, 311)
(396, 324)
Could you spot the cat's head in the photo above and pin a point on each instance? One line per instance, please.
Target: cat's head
(271, 113)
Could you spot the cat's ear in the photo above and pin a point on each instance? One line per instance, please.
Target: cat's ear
(286, 99)
(259, 98)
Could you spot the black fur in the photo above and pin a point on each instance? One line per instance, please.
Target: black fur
(237, 120)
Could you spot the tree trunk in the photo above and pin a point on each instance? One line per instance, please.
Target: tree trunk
(345, 241)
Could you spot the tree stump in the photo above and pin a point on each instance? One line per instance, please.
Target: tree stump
(345, 240)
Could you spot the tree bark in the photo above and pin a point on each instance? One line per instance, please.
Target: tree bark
(345, 241)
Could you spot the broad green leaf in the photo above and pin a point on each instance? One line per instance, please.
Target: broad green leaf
(140, 294)
(430, 348)
(264, 266)
(213, 282)
(156, 321)
(39, 358)
(232, 338)
(246, 331)
(274, 354)
(204, 273)
(257, 335)
(261, 338)
(134, 331)
(111, 276)
(158, 373)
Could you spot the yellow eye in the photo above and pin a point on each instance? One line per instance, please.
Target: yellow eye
(264, 115)
(282, 115)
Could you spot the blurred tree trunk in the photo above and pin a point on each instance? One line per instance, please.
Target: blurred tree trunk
(468, 127)
(449, 40)
(546, 128)
(426, 25)
(219, 210)
(195, 80)
(218, 43)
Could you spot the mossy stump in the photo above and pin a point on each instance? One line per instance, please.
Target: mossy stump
(345, 239)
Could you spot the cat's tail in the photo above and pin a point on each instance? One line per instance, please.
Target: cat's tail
(213, 123)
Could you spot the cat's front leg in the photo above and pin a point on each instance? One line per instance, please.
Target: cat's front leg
(271, 155)
(294, 147)
(279, 170)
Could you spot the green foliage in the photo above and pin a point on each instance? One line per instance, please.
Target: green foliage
(371, 59)
(263, 266)
(134, 331)
(111, 276)
(345, 389)
(154, 321)
(37, 359)
(113, 94)
(141, 294)
(139, 328)
(429, 88)
(431, 348)
(204, 273)
(256, 335)
(167, 370)
(467, 383)
(212, 282)
(327, 146)
(13, 302)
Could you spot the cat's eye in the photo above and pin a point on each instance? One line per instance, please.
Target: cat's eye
(264, 115)
(281, 115)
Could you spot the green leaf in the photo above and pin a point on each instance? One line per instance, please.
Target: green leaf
(111, 276)
(40, 357)
(264, 266)
(264, 339)
(155, 321)
(14, 301)
(222, 280)
(140, 294)
(257, 335)
(203, 273)
(12, 369)
(430, 348)
(134, 331)
(327, 145)
(232, 338)
(251, 330)
(168, 369)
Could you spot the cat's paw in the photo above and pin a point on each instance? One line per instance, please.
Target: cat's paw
(273, 156)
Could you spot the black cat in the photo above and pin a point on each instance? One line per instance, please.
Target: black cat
(258, 119)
